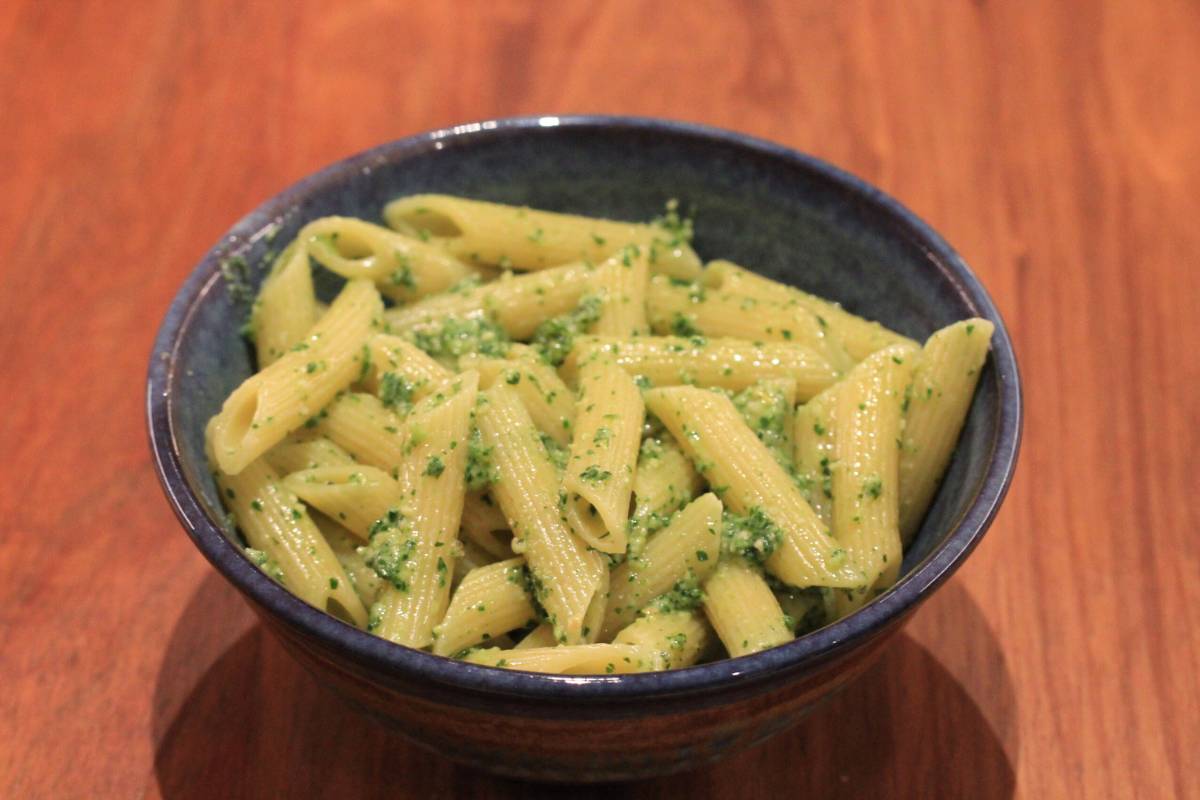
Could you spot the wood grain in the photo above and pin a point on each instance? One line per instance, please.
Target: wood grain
(1053, 143)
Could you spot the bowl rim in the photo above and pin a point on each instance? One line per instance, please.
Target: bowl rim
(366, 649)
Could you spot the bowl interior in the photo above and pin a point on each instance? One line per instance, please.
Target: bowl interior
(789, 217)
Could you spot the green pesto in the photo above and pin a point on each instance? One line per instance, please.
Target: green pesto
(685, 595)
(555, 337)
(753, 536)
(457, 336)
(481, 469)
(396, 392)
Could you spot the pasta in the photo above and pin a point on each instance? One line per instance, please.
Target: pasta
(732, 364)
(545, 442)
(525, 238)
(598, 480)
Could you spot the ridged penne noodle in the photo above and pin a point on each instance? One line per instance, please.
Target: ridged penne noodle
(814, 453)
(297, 453)
(665, 482)
(859, 336)
(364, 428)
(518, 303)
(579, 659)
(402, 267)
(524, 238)
(742, 609)
(549, 402)
(690, 309)
(598, 479)
(484, 524)
(730, 364)
(541, 636)
(434, 475)
(276, 401)
(414, 372)
(286, 542)
(285, 308)
(746, 477)
(668, 640)
(866, 486)
(355, 496)
(472, 557)
(943, 386)
(620, 283)
(690, 545)
(366, 582)
(569, 580)
(490, 602)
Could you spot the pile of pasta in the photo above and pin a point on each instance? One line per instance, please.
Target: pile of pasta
(561, 444)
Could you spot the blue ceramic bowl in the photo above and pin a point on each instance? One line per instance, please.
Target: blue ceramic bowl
(782, 213)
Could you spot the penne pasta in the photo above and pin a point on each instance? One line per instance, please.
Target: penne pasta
(742, 609)
(283, 539)
(665, 482)
(524, 238)
(563, 433)
(620, 284)
(517, 303)
(354, 495)
(866, 491)
(943, 386)
(732, 364)
(283, 396)
(747, 478)
(598, 480)
(691, 309)
(569, 580)
(549, 402)
(403, 268)
(298, 453)
(285, 308)
(420, 547)
(668, 640)
(490, 602)
(686, 549)
(579, 659)
(859, 336)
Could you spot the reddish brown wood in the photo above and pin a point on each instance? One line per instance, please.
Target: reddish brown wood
(1054, 144)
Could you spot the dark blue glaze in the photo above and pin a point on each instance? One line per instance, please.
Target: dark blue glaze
(787, 215)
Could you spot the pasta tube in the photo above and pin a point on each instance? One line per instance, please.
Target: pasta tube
(423, 544)
(690, 545)
(731, 364)
(859, 336)
(285, 308)
(746, 477)
(276, 401)
(284, 539)
(403, 268)
(569, 580)
(524, 238)
(691, 309)
(598, 480)
(943, 386)
(865, 479)
(490, 602)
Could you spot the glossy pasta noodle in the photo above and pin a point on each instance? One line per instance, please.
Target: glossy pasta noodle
(546, 442)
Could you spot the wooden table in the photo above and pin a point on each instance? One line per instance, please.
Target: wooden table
(1056, 145)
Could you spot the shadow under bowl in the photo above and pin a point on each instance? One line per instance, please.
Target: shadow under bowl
(789, 216)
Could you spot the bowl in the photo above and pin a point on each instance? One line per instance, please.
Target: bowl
(782, 213)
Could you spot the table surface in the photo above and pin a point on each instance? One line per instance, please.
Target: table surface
(1054, 144)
